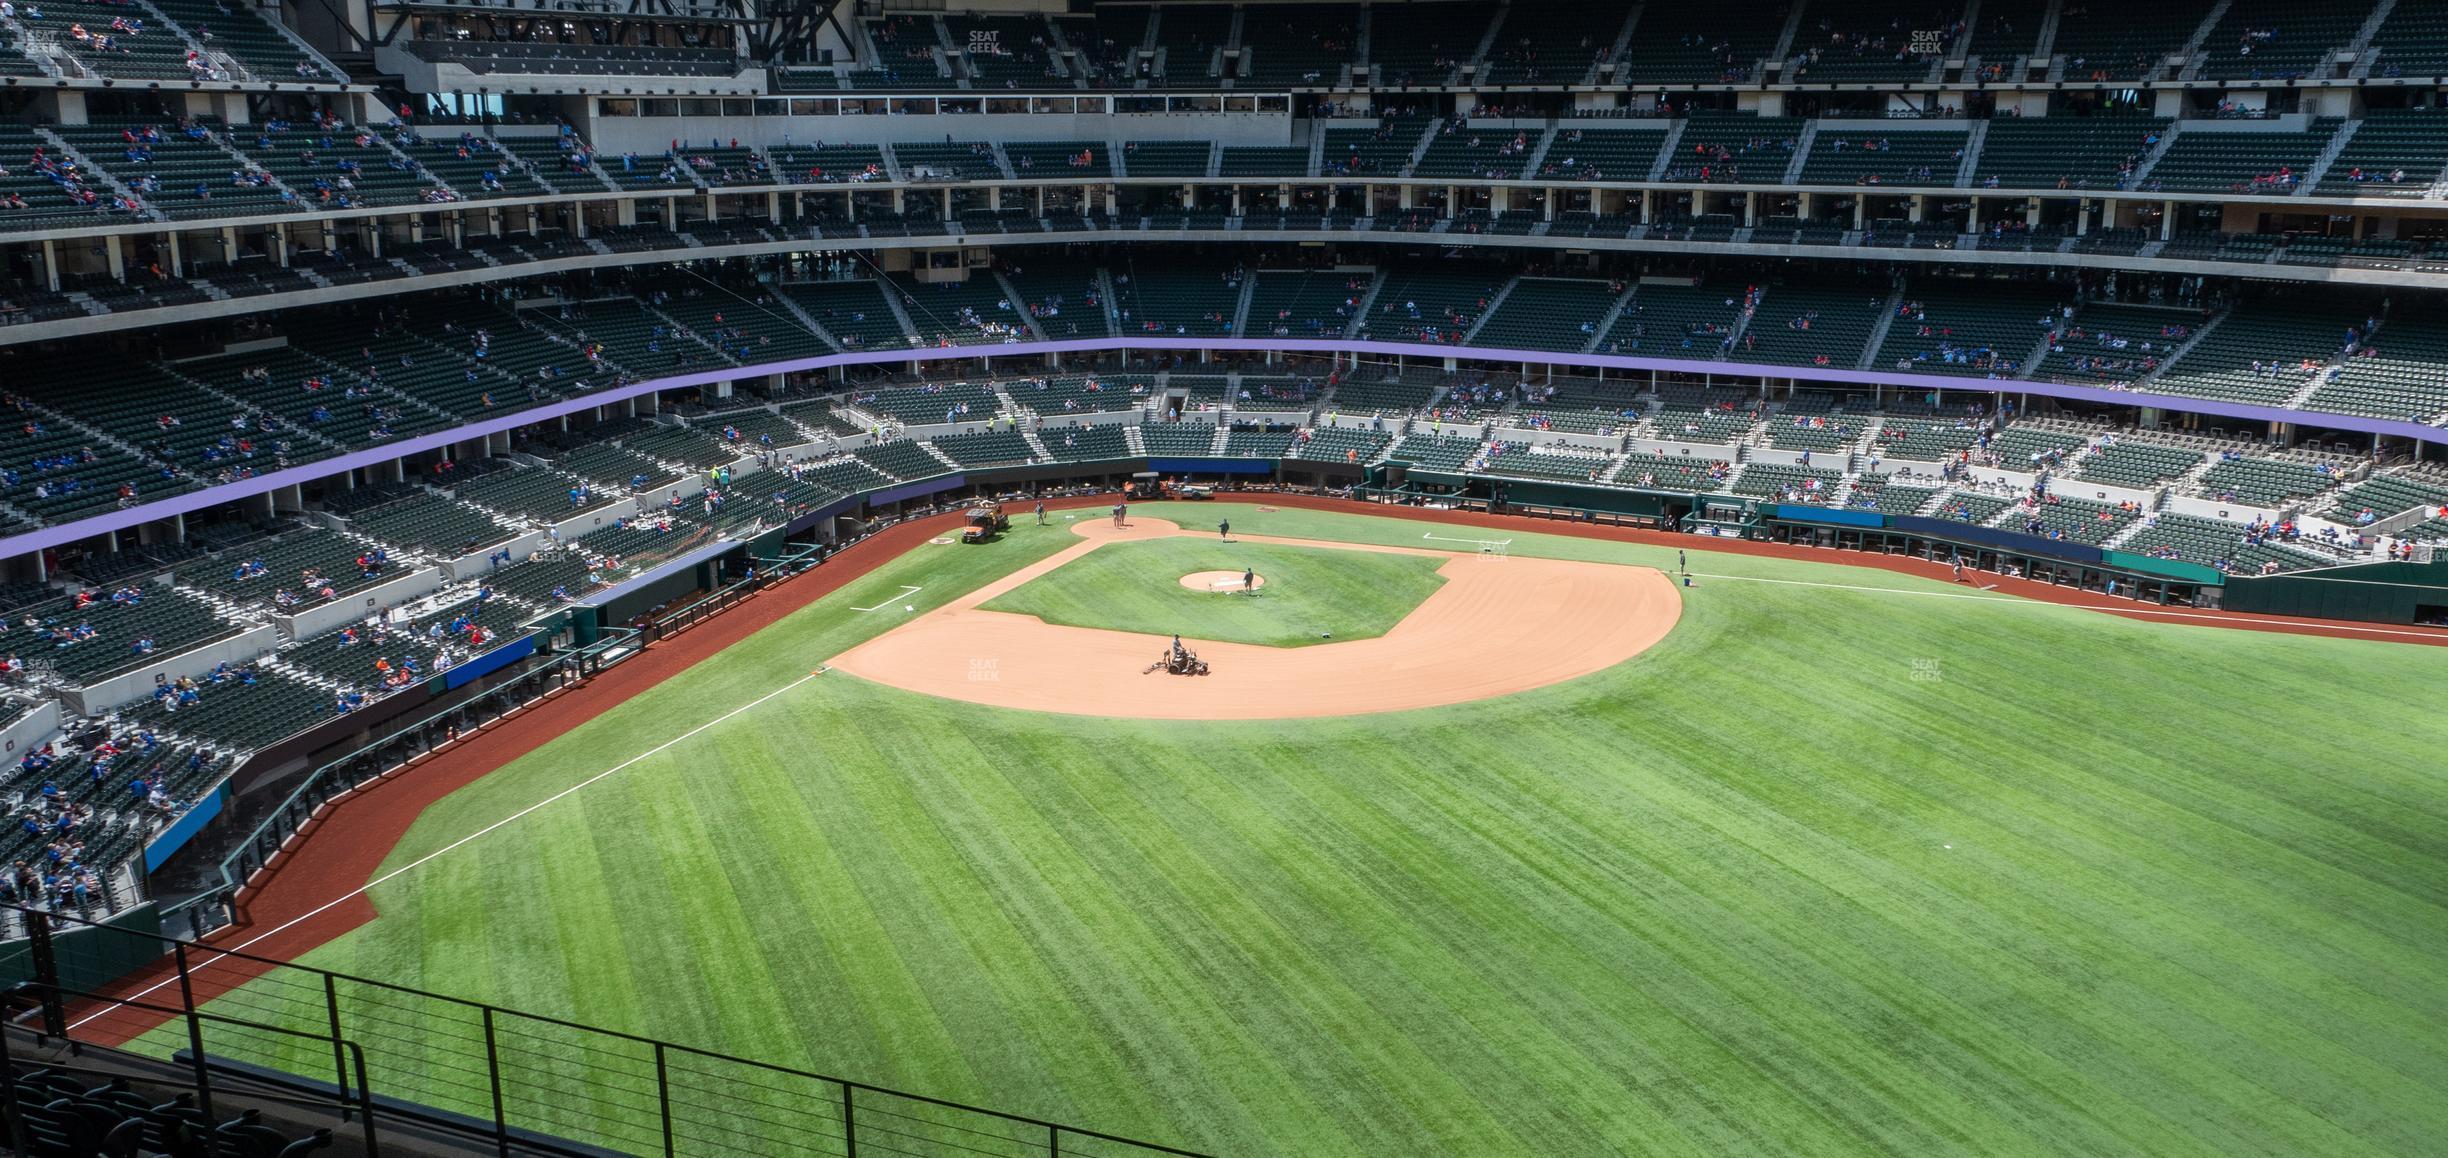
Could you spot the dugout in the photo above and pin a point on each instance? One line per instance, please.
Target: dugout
(2381, 592)
(1996, 550)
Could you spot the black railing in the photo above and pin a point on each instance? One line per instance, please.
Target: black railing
(382, 1057)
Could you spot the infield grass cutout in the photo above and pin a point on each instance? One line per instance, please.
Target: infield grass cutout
(1312, 594)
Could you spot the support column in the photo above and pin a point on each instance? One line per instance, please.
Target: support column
(50, 258)
(1861, 212)
(2167, 220)
(1751, 209)
(178, 263)
(1915, 208)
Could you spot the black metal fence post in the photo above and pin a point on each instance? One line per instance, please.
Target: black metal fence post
(663, 1098)
(849, 1128)
(501, 1118)
(331, 1009)
(45, 959)
(195, 1031)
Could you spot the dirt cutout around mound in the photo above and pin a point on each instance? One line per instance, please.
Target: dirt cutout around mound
(1497, 626)
(1221, 582)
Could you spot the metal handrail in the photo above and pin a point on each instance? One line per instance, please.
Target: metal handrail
(337, 1009)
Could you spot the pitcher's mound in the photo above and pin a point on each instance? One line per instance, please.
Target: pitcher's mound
(1218, 581)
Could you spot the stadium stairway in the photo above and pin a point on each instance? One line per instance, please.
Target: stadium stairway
(2319, 168)
(1494, 303)
(93, 172)
(2167, 137)
(1667, 149)
(1615, 309)
(2192, 53)
(1878, 331)
(792, 306)
(1966, 172)
(2195, 339)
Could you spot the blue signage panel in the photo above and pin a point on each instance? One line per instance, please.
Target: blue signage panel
(1803, 514)
(185, 827)
(1212, 465)
(490, 662)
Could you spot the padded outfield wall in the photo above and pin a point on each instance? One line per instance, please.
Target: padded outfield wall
(2384, 592)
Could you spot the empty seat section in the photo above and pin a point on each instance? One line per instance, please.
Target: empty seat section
(2065, 152)
(1547, 314)
(1977, 330)
(2101, 43)
(1734, 148)
(1305, 303)
(1884, 158)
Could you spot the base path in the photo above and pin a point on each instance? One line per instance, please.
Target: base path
(1496, 627)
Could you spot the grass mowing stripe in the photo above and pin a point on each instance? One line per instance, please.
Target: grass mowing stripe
(969, 959)
(1970, 836)
(1069, 905)
(1347, 987)
(1696, 902)
(1228, 949)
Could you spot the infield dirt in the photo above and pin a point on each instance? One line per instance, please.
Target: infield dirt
(1497, 626)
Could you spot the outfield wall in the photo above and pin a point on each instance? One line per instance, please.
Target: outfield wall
(2374, 592)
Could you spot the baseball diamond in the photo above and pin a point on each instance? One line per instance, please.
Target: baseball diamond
(1182, 578)
(1071, 894)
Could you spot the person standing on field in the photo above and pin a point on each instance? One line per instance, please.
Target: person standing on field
(1041, 512)
(1224, 530)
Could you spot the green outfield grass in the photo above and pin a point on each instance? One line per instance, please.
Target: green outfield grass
(1310, 592)
(1851, 863)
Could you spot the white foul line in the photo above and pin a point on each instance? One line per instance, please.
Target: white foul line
(906, 592)
(453, 846)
